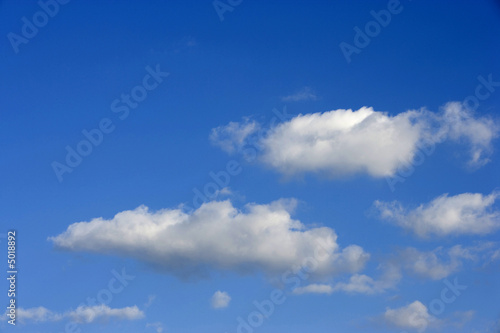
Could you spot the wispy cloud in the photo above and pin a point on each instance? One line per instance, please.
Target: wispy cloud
(151, 299)
(157, 326)
(304, 94)
(357, 284)
(435, 265)
(232, 137)
(441, 263)
(82, 314)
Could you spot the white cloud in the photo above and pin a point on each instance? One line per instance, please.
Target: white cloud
(460, 125)
(345, 142)
(357, 283)
(37, 315)
(432, 264)
(467, 213)
(436, 265)
(215, 236)
(89, 314)
(414, 316)
(313, 289)
(82, 314)
(363, 284)
(233, 136)
(304, 94)
(220, 299)
(341, 142)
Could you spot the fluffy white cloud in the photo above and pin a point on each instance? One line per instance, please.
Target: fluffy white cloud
(467, 213)
(344, 142)
(220, 299)
(303, 94)
(414, 316)
(215, 236)
(82, 314)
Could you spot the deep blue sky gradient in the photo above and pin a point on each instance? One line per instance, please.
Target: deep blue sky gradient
(64, 80)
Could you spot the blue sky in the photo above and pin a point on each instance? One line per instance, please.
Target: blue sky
(387, 154)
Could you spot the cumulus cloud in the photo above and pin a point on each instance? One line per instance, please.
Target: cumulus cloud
(414, 316)
(303, 94)
(216, 236)
(345, 142)
(467, 213)
(82, 314)
(220, 299)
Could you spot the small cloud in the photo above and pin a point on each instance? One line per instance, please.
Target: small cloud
(357, 284)
(314, 289)
(414, 316)
(150, 301)
(363, 284)
(233, 136)
(226, 192)
(220, 299)
(157, 326)
(305, 94)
